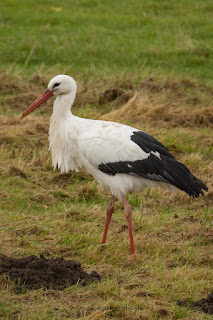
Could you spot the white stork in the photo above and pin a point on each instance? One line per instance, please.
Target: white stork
(119, 157)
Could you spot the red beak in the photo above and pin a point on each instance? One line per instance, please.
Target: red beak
(43, 97)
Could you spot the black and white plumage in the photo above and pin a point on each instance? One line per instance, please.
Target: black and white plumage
(119, 157)
(160, 166)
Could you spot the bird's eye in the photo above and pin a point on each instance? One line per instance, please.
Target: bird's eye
(56, 85)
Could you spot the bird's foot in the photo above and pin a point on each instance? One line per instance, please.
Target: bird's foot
(133, 256)
(103, 245)
(130, 259)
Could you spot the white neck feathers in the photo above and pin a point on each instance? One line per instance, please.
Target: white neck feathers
(62, 105)
(62, 134)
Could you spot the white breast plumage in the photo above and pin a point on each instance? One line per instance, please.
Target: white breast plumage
(63, 146)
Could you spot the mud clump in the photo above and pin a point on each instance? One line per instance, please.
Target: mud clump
(31, 273)
(204, 305)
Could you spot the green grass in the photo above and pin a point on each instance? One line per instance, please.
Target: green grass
(104, 45)
(101, 38)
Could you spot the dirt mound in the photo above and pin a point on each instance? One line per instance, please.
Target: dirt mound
(32, 273)
(204, 305)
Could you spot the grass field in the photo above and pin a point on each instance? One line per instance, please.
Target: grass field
(156, 57)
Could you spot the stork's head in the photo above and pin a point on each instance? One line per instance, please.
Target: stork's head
(59, 85)
(62, 84)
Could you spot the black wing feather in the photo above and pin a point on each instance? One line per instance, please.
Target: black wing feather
(148, 143)
(164, 168)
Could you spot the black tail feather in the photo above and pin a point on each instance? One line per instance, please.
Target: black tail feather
(182, 178)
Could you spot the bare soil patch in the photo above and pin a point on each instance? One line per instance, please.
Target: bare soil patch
(31, 273)
(204, 305)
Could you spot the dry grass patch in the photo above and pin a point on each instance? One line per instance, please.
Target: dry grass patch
(174, 113)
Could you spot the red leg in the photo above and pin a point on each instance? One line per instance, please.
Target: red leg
(127, 210)
(108, 217)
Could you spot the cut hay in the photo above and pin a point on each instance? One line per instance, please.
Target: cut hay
(141, 108)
